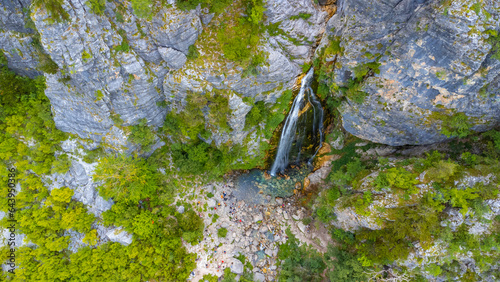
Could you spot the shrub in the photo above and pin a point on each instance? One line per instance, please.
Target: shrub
(301, 15)
(124, 46)
(142, 8)
(142, 134)
(97, 6)
(54, 7)
(345, 265)
(222, 232)
(494, 41)
(299, 263)
(442, 171)
(397, 177)
(192, 52)
(456, 125)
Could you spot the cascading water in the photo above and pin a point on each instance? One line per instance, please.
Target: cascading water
(297, 126)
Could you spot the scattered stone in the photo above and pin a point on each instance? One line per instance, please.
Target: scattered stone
(279, 201)
(285, 215)
(120, 236)
(301, 226)
(211, 203)
(306, 182)
(257, 276)
(180, 209)
(269, 252)
(296, 217)
(263, 229)
(237, 267)
(258, 217)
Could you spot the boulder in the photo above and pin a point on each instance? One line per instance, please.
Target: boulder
(120, 236)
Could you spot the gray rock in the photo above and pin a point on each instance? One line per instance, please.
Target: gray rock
(279, 201)
(120, 236)
(237, 267)
(431, 61)
(258, 217)
(301, 226)
(211, 203)
(175, 59)
(304, 31)
(176, 29)
(257, 276)
(180, 209)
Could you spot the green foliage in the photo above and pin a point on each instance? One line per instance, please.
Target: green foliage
(200, 157)
(397, 177)
(86, 56)
(456, 125)
(124, 46)
(54, 7)
(98, 95)
(97, 6)
(228, 275)
(210, 277)
(126, 178)
(46, 64)
(301, 15)
(391, 243)
(442, 171)
(61, 164)
(353, 88)
(257, 60)
(239, 40)
(469, 159)
(345, 265)
(222, 232)
(25, 116)
(141, 195)
(192, 53)
(116, 118)
(192, 226)
(142, 134)
(272, 116)
(215, 217)
(3, 59)
(190, 122)
(441, 75)
(215, 6)
(346, 174)
(299, 263)
(255, 10)
(142, 8)
(255, 115)
(494, 41)
(434, 269)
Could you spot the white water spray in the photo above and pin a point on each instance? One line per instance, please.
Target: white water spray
(289, 132)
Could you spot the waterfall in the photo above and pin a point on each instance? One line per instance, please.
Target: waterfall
(296, 123)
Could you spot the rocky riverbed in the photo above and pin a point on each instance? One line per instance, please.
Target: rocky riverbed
(255, 231)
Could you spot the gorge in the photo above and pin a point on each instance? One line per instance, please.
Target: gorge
(140, 133)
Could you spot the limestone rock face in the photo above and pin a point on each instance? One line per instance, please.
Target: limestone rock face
(113, 67)
(16, 40)
(300, 20)
(433, 59)
(175, 59)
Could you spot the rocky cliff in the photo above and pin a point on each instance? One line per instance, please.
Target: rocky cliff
(115, 64)
(425, 67)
